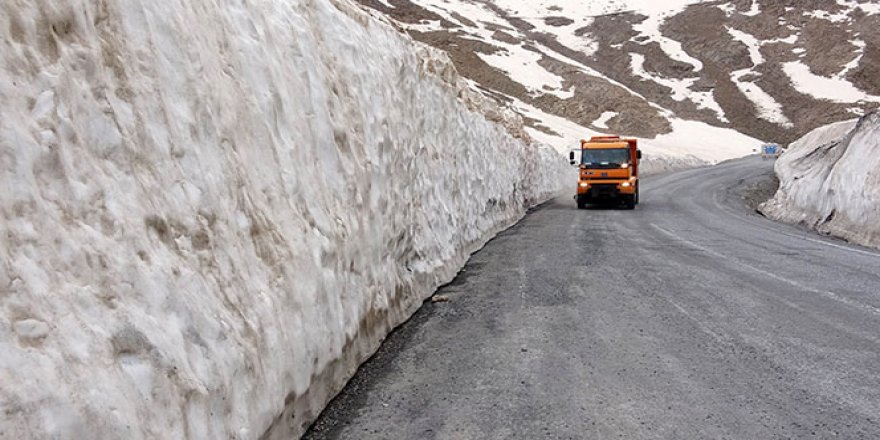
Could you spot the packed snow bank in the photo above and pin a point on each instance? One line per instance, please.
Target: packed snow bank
(829, 181)
(213, 211)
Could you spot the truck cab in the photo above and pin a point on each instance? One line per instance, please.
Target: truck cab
(608, 171)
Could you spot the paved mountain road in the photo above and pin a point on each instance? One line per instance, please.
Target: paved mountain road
(689, 318)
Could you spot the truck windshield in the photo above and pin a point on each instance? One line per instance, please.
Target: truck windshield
(605, 156)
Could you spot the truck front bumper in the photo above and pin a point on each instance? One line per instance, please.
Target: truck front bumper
(598, 190)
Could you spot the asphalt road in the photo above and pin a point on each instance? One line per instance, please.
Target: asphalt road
(691, 317)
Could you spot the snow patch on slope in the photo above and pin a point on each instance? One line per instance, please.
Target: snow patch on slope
(650, 29)
(587, 8)
(829, 181)
(602, 122)
(213, 211)
(682, 89)
(852, 65)
(833, 89)
(521, 65)
(768, 108)
(845, 14)
(568, 35)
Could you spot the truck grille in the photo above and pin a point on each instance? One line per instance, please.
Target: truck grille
(604, 190)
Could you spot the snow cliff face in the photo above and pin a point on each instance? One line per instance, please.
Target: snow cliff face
(829, 180)
(212, 212)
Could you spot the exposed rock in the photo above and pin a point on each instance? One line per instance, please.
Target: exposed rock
(558, 21)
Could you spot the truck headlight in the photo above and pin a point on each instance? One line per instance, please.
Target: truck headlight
(625, 185)
(585, 185)
(624, 166)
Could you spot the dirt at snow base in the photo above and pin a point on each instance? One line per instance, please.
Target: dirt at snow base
(760, 190)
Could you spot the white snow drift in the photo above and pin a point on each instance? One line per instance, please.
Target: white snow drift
(213, 211)
(829, 181)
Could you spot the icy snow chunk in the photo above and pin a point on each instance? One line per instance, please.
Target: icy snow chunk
(30, 329)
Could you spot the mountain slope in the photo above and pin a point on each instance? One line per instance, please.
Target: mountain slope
(693, 71)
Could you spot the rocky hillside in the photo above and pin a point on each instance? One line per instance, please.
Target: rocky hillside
(682, 69)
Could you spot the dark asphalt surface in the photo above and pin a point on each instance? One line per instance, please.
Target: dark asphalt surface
(691, 317)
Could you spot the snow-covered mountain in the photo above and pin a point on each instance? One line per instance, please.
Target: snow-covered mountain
(689, 75)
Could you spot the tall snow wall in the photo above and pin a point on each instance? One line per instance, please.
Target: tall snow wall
(214, 211)
(830, 181)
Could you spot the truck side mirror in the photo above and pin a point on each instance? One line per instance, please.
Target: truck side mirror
(571, 157)
(639, 154)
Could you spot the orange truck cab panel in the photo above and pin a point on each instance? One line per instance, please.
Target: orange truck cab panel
(608, 171)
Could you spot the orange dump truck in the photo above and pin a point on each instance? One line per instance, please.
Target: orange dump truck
(609, 171)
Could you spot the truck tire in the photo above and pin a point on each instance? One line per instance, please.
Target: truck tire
(629, 202)
(581, 202)
(637, 194)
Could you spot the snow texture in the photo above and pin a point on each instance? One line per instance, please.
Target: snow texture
(829, 181)
(214, 211)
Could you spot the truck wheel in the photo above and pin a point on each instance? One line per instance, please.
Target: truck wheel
(637, 195)
(629, 202)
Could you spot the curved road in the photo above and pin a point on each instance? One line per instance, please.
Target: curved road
(689, 318)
